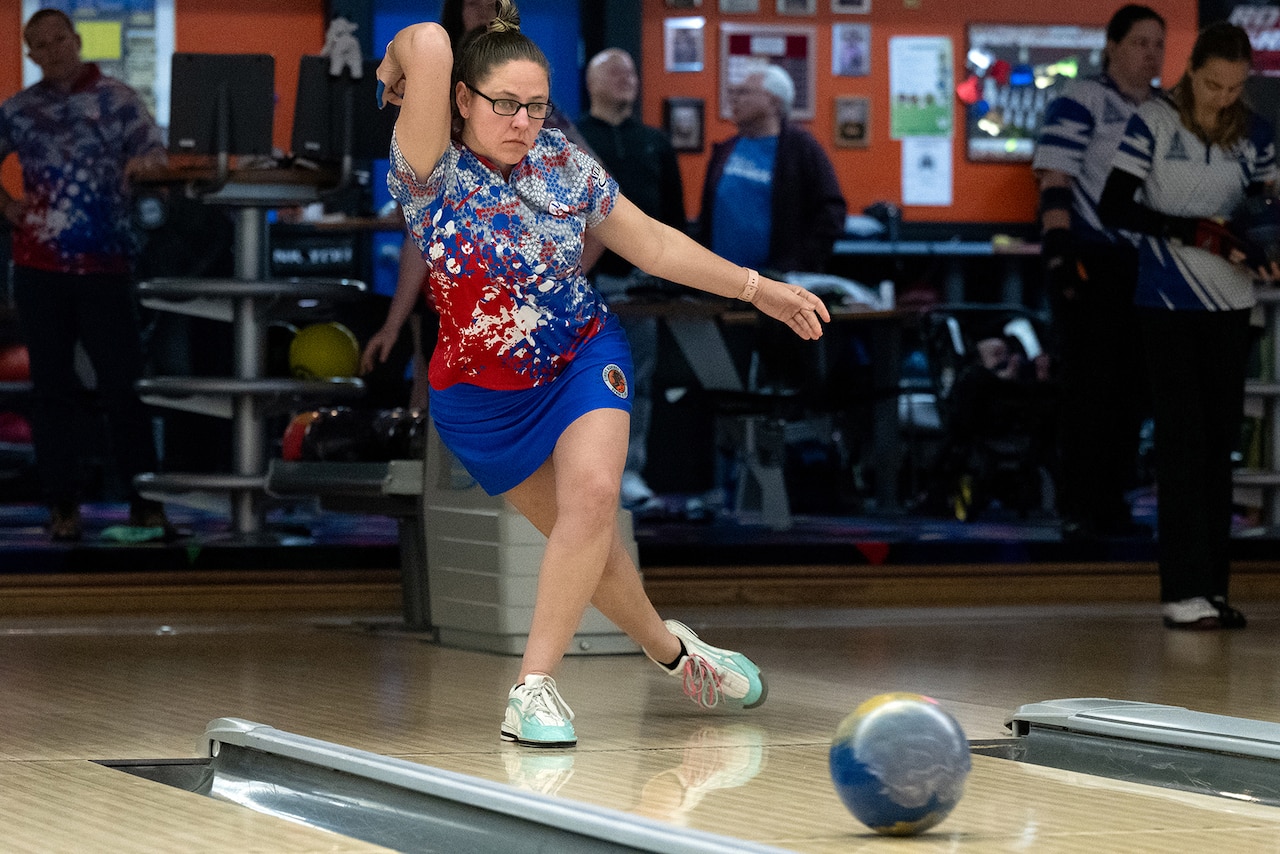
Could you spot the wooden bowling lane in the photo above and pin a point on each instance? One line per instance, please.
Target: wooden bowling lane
(116, 688)
(789, 803)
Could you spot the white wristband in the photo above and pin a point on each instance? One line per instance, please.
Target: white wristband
(749, 289)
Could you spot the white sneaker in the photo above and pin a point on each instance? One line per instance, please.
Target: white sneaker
(537, 715)
(711, 674)
(1195, 613)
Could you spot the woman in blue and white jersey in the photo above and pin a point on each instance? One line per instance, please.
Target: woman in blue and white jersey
(1188, 160)
(1090, 274)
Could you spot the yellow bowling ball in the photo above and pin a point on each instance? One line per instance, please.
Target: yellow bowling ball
(324, 350)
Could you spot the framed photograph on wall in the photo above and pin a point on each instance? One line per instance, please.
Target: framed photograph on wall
(746, 48)
(850, 50)
(682, 44)
(852, 121)
(851, 7)
(797, 7)
(683, 4)
(683, 119)
(740, 7)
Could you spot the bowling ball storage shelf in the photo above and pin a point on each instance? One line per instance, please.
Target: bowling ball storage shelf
(248, 397)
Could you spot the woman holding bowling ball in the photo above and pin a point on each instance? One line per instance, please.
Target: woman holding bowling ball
(1187, 161)
(530, 382)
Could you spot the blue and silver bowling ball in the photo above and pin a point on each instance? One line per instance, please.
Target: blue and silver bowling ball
(899, 763)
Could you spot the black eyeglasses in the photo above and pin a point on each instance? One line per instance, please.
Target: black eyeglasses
(537, 110)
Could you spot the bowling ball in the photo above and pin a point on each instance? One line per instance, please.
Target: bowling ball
(1257, 221)
(899, 763)
(340, 434)
(15, 364)
(417, 434)
(15, 429)
(280, 335)
(324, 351)
(401, 433)
(295, 434)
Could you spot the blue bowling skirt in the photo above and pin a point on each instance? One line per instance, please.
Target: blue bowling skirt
(502, 437)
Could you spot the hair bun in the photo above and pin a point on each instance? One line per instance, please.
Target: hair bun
(506, 19)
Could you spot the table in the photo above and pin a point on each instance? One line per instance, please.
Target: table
(1012, 252)
(696, 325)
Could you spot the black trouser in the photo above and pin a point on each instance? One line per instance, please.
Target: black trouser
(55, 310)
(1196, 360)
(1102, 391)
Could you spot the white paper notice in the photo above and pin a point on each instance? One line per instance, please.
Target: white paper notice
(926, 170)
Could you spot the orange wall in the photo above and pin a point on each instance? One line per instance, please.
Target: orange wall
(286, 29)
(985, 192)
(982, 192)
(10, 82)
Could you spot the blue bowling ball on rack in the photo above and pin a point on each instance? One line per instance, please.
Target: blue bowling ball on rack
(899, 763)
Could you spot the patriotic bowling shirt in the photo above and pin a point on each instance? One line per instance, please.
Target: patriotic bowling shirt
(1081, 132)
(73, 148)
(503, 257)
(1184, 177)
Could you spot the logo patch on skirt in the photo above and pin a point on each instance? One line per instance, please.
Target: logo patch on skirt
(616, 380)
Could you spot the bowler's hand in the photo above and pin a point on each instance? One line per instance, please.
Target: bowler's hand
(795, 306)
(1267, 272)
(390, 88)
(378, 348)
(1063, 273)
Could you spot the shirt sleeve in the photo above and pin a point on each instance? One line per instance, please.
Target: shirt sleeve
(1137, 147)
(142, 134)
(1064, 137)
(600, 190)
(416, 195)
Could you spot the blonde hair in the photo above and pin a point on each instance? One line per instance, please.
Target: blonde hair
(506, 18)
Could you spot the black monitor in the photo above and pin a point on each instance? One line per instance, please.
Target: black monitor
(337, 116)
(221, 103)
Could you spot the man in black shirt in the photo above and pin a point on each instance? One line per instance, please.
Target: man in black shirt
(643, 162)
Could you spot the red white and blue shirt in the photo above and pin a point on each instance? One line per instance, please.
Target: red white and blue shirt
(73, 147)
(504, 259)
